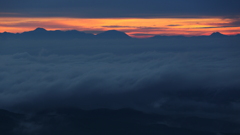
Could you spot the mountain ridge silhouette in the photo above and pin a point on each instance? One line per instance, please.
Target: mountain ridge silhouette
(75, 34)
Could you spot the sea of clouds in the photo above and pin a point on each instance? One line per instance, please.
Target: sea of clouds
(181, 76)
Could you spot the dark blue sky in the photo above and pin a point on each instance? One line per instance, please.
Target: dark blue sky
(121, 8)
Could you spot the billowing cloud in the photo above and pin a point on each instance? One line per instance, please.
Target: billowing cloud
(165, 76)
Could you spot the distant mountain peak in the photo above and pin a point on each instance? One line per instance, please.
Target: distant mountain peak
(113, 34)
(113, 31)
(40, 30)
(217, 34)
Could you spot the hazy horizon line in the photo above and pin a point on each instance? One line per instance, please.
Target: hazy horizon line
(139, 35)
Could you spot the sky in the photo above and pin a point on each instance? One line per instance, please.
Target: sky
(138, 18)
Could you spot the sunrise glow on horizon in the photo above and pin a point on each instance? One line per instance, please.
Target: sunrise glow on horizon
(135, 27)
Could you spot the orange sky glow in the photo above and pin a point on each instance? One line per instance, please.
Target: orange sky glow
(135, 27)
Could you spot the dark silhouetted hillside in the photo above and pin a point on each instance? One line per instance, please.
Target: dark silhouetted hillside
(70, 121)
(9, 121)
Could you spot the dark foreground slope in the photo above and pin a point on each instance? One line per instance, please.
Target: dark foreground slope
(98, 122)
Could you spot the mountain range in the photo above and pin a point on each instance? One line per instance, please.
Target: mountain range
(71, 34)
(74, 34)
